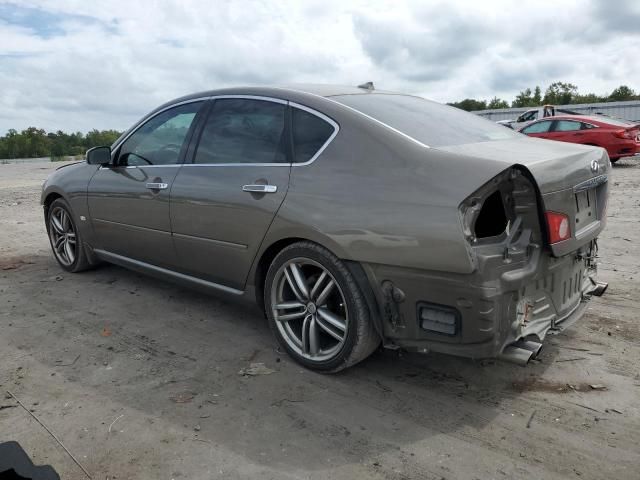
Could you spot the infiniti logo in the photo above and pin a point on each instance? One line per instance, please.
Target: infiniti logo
(595, 165)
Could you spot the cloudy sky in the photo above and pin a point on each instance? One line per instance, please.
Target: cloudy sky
(83, 64)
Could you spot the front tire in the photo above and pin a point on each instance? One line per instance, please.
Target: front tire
(64, 237)
(316, 309)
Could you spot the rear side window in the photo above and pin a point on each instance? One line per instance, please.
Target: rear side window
(431, 123)
(540, 127)
(310, 133)
(241, 130)
(566, 126)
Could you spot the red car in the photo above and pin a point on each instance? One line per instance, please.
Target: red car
(619, 138)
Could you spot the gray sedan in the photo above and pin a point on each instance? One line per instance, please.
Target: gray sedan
(352, 217)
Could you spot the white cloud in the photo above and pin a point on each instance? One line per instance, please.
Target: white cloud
(77, 65)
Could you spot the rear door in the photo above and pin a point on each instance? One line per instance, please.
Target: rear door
(225, 197)
(129, 200)
(567, 131)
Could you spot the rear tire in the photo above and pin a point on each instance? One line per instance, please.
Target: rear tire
(316, 309)
(65, 239)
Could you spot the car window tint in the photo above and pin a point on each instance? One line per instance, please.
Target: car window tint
(243, 131)
(566, 126)
(540, 127)
(310, 133)
(430, 123)
(160, 140)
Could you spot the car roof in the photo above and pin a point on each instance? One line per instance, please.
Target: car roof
(279, 91)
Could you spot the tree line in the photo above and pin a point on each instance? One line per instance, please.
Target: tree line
(36, 142)
(558, 93)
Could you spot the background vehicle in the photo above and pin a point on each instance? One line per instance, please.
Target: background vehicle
(619, 138)
(534, 114)
(350, 216)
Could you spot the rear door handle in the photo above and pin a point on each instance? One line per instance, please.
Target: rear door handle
(260, 188)
(157, 186)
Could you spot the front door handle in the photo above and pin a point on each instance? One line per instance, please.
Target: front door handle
(260, 188)
(157, 186)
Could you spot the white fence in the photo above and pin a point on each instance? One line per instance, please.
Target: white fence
(628, 110)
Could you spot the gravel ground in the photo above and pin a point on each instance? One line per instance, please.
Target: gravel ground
(140, 379)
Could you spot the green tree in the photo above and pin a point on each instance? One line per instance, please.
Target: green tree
(470, 104)
(35, 142)
(560, 93)
(622, 93)
(496, 102)
(537, 97)
(525, 99)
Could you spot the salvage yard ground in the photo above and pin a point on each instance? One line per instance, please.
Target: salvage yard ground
(141, 379)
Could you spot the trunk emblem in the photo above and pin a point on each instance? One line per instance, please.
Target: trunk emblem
(595, 166)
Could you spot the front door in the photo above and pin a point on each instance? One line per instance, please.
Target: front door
(225, 198)
(129, 200)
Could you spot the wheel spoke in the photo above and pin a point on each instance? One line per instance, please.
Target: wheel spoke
(59, 243)
(57, 226)
(332, 319)
(314, 343)
(297, 282)
(328, 329)
(322, 298)
(68, 250)
(291, 316)
(317, 285)
(64, 220)
(305, 333)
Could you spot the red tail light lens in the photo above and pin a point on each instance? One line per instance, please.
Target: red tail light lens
(626, 134)
(558, 226)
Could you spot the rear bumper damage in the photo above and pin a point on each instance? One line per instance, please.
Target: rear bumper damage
(507, 316)
(522, 287)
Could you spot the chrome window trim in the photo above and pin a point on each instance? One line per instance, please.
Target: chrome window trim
(250, 97)
(408, 137)
(127, 167)
(142, 122)
(329, 120)
(333, 123)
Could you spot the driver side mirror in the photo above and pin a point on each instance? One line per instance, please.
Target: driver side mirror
(99, 155)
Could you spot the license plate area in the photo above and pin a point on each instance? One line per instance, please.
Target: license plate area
(585, 208)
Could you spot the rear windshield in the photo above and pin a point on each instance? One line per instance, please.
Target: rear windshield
(431, 123)
(614, 121)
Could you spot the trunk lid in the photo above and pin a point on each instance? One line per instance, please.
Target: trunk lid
(572, 179)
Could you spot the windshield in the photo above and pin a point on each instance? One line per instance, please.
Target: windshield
(614, 121)
(431, 123)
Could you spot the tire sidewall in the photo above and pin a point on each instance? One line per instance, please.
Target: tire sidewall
(352, 299)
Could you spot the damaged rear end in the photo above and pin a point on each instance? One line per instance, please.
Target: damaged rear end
(532, 236)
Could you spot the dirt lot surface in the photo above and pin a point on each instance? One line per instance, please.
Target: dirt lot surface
(140, 379)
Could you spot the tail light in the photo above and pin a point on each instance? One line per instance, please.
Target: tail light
(558, 227)
(624, 134)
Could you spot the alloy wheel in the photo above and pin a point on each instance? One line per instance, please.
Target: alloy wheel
(309, 309)
(63, 236)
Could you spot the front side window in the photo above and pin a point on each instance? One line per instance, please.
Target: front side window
(540, 127)
(528, 116)
(566, 126)
(160, 140)
(242, 130)
(310, 133)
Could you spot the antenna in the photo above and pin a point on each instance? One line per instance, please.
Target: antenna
(367, 86)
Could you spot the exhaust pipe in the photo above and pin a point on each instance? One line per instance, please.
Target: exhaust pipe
(533, 347)
(515, 354)
(599, 289)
